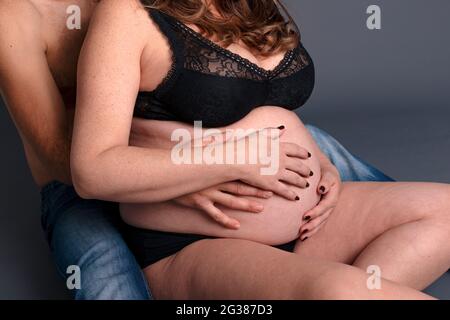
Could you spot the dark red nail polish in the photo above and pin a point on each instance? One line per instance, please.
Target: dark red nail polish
(311, 174)
(305, 239)
(307, 218)
(309, 155)
(322, 189)
(297, 198)
(307, 184)
(281, 127)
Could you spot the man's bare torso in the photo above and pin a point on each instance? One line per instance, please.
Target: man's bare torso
(40, 42)
(63, 44)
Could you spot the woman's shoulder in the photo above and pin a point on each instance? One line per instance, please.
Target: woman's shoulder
(119, 12)
(128, 17)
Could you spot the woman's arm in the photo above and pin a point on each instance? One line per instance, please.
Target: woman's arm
(104, 166)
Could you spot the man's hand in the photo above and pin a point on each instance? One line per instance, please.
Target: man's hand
(229, 195)
(329, 188)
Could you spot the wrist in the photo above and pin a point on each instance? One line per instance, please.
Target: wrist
(238, 172)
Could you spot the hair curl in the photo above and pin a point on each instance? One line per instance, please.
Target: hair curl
(258, 24)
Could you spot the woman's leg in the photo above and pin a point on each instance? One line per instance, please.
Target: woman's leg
(239, 269)
(403, 228)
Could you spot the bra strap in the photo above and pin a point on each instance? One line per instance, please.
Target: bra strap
(167, 28)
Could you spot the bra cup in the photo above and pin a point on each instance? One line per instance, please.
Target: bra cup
(211, 84)
(229, 102)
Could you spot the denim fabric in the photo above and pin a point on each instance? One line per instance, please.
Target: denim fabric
(350, 167)
(84, 233)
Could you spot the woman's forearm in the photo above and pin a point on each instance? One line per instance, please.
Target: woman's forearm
(140, 175)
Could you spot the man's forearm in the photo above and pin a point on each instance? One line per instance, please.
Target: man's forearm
(52, 153)
(59, 160)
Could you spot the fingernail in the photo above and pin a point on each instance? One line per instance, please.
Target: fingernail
(311, 174)
(305, 239)
(281, 127)
(322, 189)
(305, 231)
(307, 184)
(297, 198)
(307, 218)
(309, 155)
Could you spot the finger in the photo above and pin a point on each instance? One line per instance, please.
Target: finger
(292, 178)
(207, 140)
(325, 184)
(217, 215)
(315, 223)
(323, 207)
(298, 167)
(284, 191)
(220, 138)
(238, 203)
(328, 202)
(312, 227)
(243, 189)
(294, 150)
(273, 133)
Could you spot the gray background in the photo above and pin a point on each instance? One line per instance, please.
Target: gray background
(384, 94)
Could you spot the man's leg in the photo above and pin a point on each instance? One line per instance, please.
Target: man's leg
(85, 233)
(350, 167)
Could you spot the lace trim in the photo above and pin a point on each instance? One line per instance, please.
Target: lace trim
(244, 61)
(192, 51)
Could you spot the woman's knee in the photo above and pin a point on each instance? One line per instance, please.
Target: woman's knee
(340, 282)
(418, 202)
(434, 204)
(442, 200)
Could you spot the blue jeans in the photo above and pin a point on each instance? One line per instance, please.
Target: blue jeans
(85, 233)
(350, 167)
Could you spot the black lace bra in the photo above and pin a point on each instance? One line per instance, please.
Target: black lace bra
(211, 84)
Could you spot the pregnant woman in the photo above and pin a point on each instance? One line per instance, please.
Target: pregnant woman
(152, 68)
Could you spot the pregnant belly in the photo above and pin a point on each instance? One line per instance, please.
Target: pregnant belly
(280, 220)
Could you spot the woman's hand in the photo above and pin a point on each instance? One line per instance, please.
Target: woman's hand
(290, 171)
(329, 187)
(229, 195)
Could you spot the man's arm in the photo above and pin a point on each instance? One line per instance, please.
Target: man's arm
(28, 87)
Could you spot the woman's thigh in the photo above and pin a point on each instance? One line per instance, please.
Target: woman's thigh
(368, 209)
(240, 269)
(224, 269)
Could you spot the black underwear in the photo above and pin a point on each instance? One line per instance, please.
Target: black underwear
(149, 246)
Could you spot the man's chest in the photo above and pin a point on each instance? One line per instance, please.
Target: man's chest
(64, 26)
